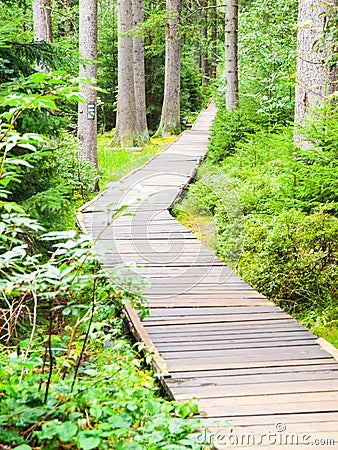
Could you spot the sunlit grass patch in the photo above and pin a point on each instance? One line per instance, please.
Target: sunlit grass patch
(114, 163)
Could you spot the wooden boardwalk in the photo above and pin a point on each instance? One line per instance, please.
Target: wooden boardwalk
(259, 375)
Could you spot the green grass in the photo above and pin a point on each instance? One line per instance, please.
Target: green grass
(114, 163)
(323, 323)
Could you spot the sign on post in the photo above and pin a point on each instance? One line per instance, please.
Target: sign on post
(91, 111)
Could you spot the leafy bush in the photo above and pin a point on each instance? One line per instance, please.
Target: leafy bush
(292, 258)
(317, 165)
(227, 129)
(115, 403)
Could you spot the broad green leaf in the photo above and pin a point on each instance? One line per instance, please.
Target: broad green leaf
(118, 422)
(19, 162)
(89, 443)
(96, 411)
(67, 431)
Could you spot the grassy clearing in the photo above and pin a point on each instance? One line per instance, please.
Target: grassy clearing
(115, 163)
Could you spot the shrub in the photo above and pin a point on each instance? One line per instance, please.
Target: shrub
(292, 258)
(227, 129)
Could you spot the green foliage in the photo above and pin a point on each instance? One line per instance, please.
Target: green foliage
(68, 378)
(48, 175)
(107, 65)
(227, 129)
(19, 54)
(317, 165)
(115, 403)
(267, 49)
(292, 258)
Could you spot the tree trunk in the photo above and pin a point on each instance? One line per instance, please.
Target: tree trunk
(214, 40)
(170, 118)
(310, 81)
(87, 112)
(231, 54)
(42, 21)
(139, 75)
(315, 80)
(204, 45)
(126, 113)
(42, 24)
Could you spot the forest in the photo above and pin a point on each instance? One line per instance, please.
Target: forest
(91, 89)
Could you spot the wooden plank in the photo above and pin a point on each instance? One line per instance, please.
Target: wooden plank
(300, 419)
(239, 354)
(180, 366)
(267, 405)
(240, 326)
(300, 367)
(191, 348)
(210, 319)
(202, 311)
(266, 377)
(249, 390)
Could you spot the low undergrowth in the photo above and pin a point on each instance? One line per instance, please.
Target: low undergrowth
(114, 403)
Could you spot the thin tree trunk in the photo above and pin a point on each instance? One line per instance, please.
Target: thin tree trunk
(204, 45)
(214, 40)
(170, 118)
(126, 111)
(310, 81)
(42, 21)
(87, 112)
(42, 24)
(231, 54)
(139, 74)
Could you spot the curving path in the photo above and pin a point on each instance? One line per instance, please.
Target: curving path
(261, 376)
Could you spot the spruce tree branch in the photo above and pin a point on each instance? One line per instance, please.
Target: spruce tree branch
(203, 8)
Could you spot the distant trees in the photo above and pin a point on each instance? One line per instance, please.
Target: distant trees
(170, 117)
(87, 111)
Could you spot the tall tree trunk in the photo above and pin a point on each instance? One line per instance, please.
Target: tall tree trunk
(231, 54)
(170, 118)
(42, 24)
(87, 112)
(139, 75)
(214, 40)
(126, 111)
(204, 44)
(42, 21)
(315, 81)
